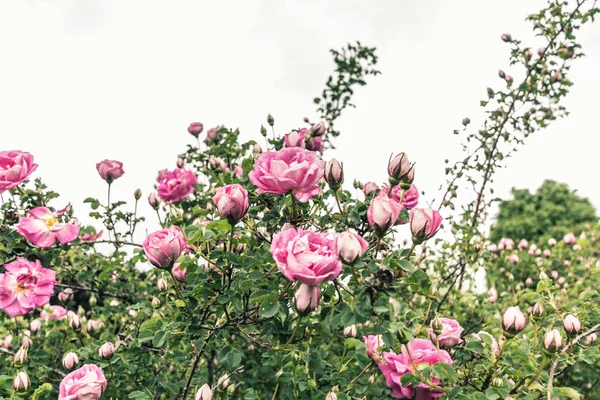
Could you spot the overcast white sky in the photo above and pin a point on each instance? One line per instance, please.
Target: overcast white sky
(85, 80)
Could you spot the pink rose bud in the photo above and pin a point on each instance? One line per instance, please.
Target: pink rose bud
(547, 253)
(513, 320)
(35, 325)
(176, 185)
(553, 340)
(70, 360)
(513, 259)
(195, 129)
(424, 224)
(334, 173)
(449, 334)
(163, 247)
(204, 393)
(551, 242)
(15, 167)
(73, 320)
(315, 143)
(132, 313)
(492, 295)
(21, 383)
(350, 331)
(506, 37)
(523, 244)
(399, 168)
(570, 238)
(288, 170)
(373, 344)
(155, 302)
(331, 396)
(307, 298)
(532, 249)
(42, 228)
(554, 274)
(26, 342)
(154, 201)
(572, 325)
(110, 170)
(318, 129)
(576, 247)
(137, 194)
(263, 131)
(296, 138)
(270, 120)
(87, 382)
(351, 246)
(528, 282)
(538, 310)
(370, 187)
(180, 162)
(161, 284)
(492, 248)
(383, 213)
(213, 135)
(501, 74)
(7, 342)
(107, 350)
(178, 273)
(66, 295)
(232, 202)
(20, 356)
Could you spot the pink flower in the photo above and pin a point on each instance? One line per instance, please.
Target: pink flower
(175, 185)
(424, 223)
(291, 169)
(58, 313)
(85, 383)
(551, 242)
(532, 249)
(107, 350)
(492, 295)
(195, 128)
(110, 170)
(178, 273)
(570, 238)
(450, 335)
(547, 253)
(232, 202)
(411, 197)
(306, 256)
(523, 244)
(513, 259)
(163, 247)
(572, 324)
(399, 167)
(417, 352)
(553, 340)
(383, 213)
(492, 248)
(513, 319)
(307, 298)
(351, 246)
(296, 138)
(239, 171)
(91, 237)
(15, 167)
(373, 344)
(315, 143)
(213, 136)
(41, 227)
(370, 187)
(479, 336)
(25, 286)
(506, 243)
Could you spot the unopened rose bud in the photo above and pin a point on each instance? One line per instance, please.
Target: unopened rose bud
(398, 168)
(437, 326)
(501, 74)
(572, 325)
(553, 340)
(466, 121)
(538, 310)
(509, 79)
(490, 92)
(107, 350)
(223, 381)
(551, 242)
(26, 342)
(161, 284)
(350, 331)
(527, 54)
(20, 356)
(369, 188)
(137, 194)
(307, 298)
(21, 383)
(180, 162)
(73, 320)
(92, 301)
(331, 396)
(70, 360)
(155, 302)
(256, 149)
(506, 37)
(497, 382)
(195, 129)
(263, 130)
(591, 338)
(528, 282)
(35, 325)
(513, 320)
(66, 295)
(334, 174)
(351, 246)
(371, 381)
(554, 274)
(270, 120)
(154, 201)
(318, 129)
(204, 393)
(132, 313)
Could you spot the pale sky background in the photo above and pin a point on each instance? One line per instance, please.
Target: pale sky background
(82, 80)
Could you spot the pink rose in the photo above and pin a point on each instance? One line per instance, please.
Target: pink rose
(411, 197)
(41, 227)
(370, 187)
(232, 202)
(315, 143)
(296, 138)
(532, 249)
(479, 335)
(306, 256)
(57, 312)
(213, 136)
(424, 223)
(513, 319)
(175, 185)
(506, 243)
(417, 352)
(523, 244)
(351, 246)
(25, 286)
(195, 128)
(239, 171)
(492, 248)
(307, 298)
(178, 273)
(570, 238)
(373, 343)
(399, 168)
(492, 295)
(383, 213)
(110, 170)
(163, 247)
(572, 324)
(291, 169)
(85, 383)
(513, 259)
(15, 167)
(450, 335)
(91, 237)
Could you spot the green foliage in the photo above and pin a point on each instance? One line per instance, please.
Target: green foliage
(552, 211)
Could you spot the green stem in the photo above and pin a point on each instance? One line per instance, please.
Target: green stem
(275, 392)
(293, 209)
(159, 220)
(176, 285)
(337, 200)
(412, 248)
(231, 238)
(112, 373)
(402, 197)
(294, 332)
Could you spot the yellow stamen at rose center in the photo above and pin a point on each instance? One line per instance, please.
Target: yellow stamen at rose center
(20, 288)
(51, 221)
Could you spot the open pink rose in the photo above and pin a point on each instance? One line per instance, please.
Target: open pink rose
(373, 343)
(232, 202)
(290, 169)
(85, 383)
(163, 247)
(306, 256)
(91, 237)
(411, 195)
(25, 286)
(417, 352)
(42, 228)
(175, 185)
(424, 223)
(450, 335)
(110, 170)
(15, 167)
(296, 138)
(56, 312)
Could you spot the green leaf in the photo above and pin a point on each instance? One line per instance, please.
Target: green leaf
(570, 393)
(268, 311)
(159, 338)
